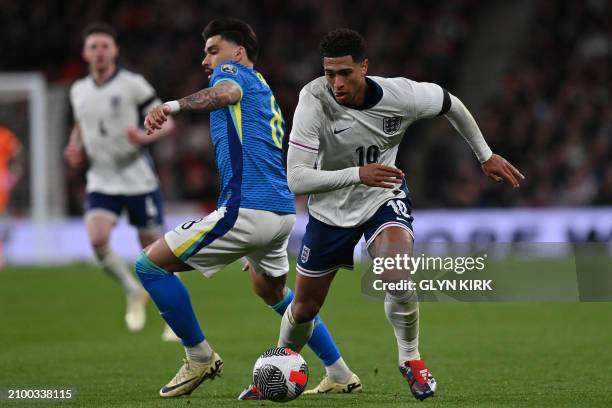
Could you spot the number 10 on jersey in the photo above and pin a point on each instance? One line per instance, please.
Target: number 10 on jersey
(367, 156)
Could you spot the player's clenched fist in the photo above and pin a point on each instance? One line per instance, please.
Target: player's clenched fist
(378, 175)
(156, 118)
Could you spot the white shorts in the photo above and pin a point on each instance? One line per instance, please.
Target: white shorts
(211, 243)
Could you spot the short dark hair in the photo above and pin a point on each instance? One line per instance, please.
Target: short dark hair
(341, 42)
(236, 31)
(99, 27)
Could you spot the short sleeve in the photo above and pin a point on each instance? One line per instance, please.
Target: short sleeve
(307, 123)
(229, 72)
(144, 94)
(424, 99)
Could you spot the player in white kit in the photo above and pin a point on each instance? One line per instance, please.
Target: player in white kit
(108, 106)
(342, 149)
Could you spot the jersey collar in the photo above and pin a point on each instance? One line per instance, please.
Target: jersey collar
(373, 95)
(108, 80)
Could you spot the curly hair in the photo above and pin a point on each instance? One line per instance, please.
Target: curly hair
(341, 42)
(236, 31)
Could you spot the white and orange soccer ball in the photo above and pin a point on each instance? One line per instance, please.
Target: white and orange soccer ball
(280, 374)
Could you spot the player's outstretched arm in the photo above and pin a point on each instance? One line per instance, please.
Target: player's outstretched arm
(493, 165)
(219, 96)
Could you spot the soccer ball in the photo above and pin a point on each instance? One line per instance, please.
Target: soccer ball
(280, 374)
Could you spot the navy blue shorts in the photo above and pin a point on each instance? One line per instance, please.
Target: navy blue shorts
(144, 210)
(325, 248)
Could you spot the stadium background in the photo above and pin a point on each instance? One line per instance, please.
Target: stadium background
(535, 74)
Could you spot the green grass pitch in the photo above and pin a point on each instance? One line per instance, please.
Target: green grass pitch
(63, 327)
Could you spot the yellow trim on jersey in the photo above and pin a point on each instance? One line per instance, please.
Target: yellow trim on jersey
(235, 109)
(262, 79)
(185, 246)
(236, 112)
(276, 123)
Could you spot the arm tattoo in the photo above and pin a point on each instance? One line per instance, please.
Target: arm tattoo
(207, 99)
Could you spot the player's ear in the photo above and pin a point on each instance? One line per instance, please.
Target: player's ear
(240, 53)
(364, 67)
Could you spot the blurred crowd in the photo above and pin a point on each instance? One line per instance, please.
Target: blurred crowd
(553, 114)
(552, 117)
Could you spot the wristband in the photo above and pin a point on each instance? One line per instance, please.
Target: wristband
(174, 106)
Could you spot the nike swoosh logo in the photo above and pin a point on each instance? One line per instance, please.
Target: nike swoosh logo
(174, 387)
(351, 387)
(341, 130)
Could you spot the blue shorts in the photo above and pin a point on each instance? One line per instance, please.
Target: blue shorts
(325, 248)
(144, 210)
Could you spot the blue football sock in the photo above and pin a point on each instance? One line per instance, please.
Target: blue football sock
(172, 300)
(321, 341)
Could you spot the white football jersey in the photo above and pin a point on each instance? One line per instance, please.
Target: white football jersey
(105, 113)
(344, 137)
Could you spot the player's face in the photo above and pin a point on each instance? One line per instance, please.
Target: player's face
(100, 51)
(217, 51)
(345, 77)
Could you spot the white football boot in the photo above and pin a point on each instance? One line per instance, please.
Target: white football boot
(191, 375)
(327, 386)
(136, 313)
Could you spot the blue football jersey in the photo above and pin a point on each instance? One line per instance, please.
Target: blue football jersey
(248, 140)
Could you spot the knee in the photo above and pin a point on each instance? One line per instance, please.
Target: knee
(101, 249)
(148, 271)
(100, 246)
(270, 296)
(146, 249)
(271, 290)
(304, 311)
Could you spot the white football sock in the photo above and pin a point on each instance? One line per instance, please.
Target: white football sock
(403, 314)
(200, 353)
(115, 266)
(294, 335)
(338, 371)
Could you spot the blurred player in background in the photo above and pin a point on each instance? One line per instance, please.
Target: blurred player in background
(11, 165)
(342, 150)
(108, 107)
(255, 212)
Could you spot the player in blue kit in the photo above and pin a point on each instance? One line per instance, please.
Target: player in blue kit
(255, 212)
